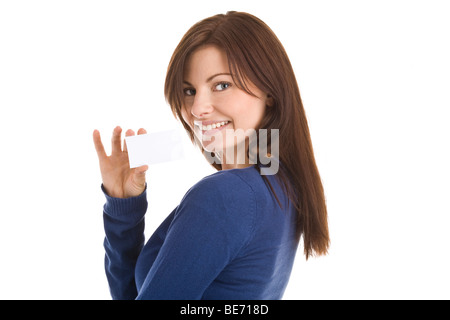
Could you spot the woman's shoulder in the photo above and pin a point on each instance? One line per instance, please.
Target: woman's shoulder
(224, 202)
(226, 185)
(244, 178)
(247, 184)
(236, 190)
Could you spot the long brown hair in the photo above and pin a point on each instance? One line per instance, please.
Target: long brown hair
(256, 55)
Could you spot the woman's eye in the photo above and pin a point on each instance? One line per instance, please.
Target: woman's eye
(189, 92)
(222, 86)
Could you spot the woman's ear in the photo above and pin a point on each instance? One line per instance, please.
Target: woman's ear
(269, 101)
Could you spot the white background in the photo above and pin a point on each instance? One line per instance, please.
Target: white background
(374, 78)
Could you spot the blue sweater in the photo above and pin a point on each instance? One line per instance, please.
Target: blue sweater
(227, 239)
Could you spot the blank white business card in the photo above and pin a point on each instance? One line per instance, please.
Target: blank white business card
(152, 148)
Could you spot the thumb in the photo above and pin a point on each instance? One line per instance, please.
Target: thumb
(140, 173)
(138, 180)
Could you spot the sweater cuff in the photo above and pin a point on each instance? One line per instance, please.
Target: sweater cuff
(116, 207)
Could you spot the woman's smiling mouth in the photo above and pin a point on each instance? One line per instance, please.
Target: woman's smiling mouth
(211, 127)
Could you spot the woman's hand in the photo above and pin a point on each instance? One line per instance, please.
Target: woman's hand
(119, 180)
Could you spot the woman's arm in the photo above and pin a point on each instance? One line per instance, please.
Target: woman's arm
(124, 228)
(126, 204)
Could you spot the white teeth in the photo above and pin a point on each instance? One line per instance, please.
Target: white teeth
(214, 125)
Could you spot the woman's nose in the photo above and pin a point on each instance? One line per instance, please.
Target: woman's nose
(202, 106)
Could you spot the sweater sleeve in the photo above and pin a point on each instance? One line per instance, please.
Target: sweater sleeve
(124, 228)
(213, 222)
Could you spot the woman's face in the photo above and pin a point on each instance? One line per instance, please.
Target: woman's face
(214, 105)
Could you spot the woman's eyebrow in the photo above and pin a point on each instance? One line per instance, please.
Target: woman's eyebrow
(216, 75)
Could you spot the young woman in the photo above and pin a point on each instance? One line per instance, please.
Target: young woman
(235, 233)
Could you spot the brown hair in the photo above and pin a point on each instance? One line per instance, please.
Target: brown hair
(256, 55)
